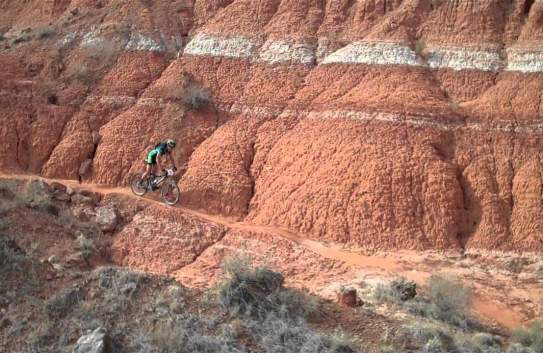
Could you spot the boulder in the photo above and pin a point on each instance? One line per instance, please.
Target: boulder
(58, 187)
(84, 212)
(94, 342)
(93, 195)
(61, 196)
(79, 199)
(106, 218)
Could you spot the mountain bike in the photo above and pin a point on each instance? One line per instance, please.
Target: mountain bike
(169, 191)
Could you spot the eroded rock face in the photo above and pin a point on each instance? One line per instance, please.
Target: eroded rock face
(162, 240)
(386, 124)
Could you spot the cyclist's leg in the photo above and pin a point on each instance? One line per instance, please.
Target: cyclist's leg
(150, 162)
(148, 171)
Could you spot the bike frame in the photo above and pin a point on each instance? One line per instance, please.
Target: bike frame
(159, 179)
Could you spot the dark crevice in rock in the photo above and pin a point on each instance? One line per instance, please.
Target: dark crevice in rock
(468, 223)
(527, 6)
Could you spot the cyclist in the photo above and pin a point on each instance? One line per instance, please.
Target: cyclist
(154, 158)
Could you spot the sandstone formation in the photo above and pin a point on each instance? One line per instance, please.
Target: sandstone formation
(384, 124)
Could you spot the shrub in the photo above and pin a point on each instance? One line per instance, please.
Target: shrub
(530, 337)
(45, 32)
(454, 105)
(10, 253)
(430, 337)
(448, 300)
(197, 97)
(85, 246)
(420, 46)
(245, 288)
(4, 224)
(59, 305)
(399, 290)
(258, 292)
(518, 348)
(479, 342)
(277, 335)
(22, 37)
(36, 196)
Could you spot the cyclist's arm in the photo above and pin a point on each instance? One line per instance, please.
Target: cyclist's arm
(172, 161)
(159, 162)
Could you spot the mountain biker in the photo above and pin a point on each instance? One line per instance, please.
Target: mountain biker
(154, 158)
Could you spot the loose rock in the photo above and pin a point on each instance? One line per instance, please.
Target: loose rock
(106, 218)
(92, 343)
(348, 297)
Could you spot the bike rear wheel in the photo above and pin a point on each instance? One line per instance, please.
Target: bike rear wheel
(138, 187)
(169, 192)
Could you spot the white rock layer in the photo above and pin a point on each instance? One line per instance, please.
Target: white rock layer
(284, 51)
(140, 42)
(463, 59)
(529, 61)
(374, 53)
(209, 45)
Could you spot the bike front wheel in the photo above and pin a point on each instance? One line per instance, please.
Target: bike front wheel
(169, 192)
(137, 186)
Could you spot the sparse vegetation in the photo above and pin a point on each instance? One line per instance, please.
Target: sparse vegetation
(44, 33)
(59, 305)
(197, 97)
(259, 292)
(399, 290)
(454, 105)
(516, 265)
(9, 254)
(22, 37)
(4, 224)
(446, 300)
(85, 246)
(530, 337)
(420, 46)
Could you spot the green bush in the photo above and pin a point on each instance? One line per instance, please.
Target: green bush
(448, 300)
(21, 38)
(399, 290)
(259, 292)
(277, 335)
(430, 337)
(45, 32)
(530, 337)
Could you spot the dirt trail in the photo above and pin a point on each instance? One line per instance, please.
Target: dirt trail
(388, 265)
